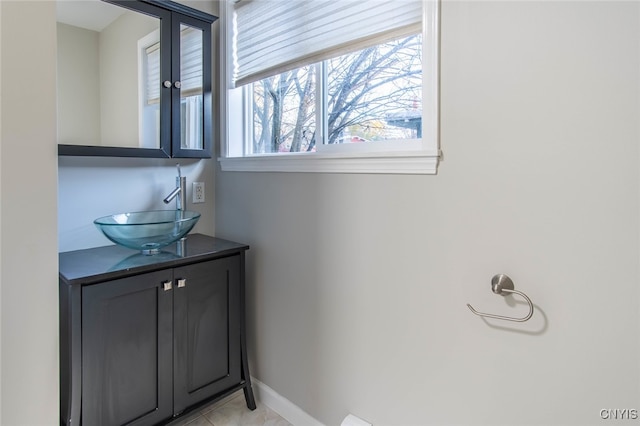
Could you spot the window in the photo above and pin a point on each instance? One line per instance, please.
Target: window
(315, 92)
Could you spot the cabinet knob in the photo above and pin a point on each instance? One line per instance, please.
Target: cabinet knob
(167, 285)
(182, 282)
(167, 84)
(177, 84)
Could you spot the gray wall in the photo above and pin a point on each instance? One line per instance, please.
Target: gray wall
(358, 283)
(28, 238)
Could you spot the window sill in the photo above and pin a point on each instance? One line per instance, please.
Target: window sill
(422, 163)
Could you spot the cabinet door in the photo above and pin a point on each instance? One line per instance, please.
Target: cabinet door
(191, 98)
(206, 330)
(126, 351)
(159, 83)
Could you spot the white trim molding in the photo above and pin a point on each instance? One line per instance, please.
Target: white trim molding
(385, 163)
(281, 405)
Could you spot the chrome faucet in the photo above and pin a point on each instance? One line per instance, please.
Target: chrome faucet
(180, 193)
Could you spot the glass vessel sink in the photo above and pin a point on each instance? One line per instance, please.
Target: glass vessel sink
(147, 231)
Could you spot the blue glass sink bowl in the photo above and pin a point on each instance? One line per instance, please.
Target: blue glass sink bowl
(147, 231)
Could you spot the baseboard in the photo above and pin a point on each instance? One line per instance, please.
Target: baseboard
(281, 405)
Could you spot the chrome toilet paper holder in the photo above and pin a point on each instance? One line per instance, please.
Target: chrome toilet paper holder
(503, 285)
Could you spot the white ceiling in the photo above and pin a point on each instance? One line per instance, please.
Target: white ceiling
(89, 14)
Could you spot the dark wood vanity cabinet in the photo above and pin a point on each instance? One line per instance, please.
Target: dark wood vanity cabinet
(150, 337)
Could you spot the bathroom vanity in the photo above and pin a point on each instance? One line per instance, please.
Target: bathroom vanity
(144, 339)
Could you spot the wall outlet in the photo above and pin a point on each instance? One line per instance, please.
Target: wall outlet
(198, 192)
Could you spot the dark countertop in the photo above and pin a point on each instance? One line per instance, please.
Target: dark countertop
(110, 262)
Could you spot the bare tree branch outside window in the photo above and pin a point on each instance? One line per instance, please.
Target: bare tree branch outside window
(373, 94)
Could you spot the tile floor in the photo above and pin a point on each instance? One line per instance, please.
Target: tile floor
(232, 411)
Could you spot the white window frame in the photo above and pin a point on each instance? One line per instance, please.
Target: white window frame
(416, 156)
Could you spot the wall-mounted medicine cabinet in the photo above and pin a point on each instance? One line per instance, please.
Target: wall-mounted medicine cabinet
(134, 79)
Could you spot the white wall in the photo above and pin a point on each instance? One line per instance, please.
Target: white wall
(357, 284)
(29, 262)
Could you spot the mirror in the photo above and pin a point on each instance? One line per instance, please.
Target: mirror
(108, 76)
(191, 90)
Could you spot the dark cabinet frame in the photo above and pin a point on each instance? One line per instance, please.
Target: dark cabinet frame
(171, 15)
(112, 298)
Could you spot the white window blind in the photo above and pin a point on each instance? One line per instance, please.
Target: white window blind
(273, 36)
